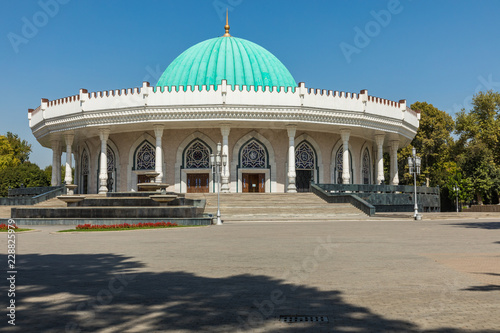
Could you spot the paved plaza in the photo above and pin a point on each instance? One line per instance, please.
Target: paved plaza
(393, 275)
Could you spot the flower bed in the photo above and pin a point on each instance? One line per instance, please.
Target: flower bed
(147, 225)
(4, 227)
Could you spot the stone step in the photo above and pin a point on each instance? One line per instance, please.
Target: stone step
(54, 202)
(276, 207)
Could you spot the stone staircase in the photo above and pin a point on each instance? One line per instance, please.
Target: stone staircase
(279, 207)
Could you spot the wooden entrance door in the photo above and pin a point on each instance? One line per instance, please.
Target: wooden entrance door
(198, 182)
(254, 182)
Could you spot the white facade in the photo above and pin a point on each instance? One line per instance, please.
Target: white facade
(116, 136)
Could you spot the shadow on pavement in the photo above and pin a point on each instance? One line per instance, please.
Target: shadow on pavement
(490, 287)
(87, 292)
(479, 225)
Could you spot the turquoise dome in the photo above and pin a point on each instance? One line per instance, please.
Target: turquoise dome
(236, 60)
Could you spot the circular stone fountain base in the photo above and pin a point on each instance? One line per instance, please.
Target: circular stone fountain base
(152, 186)
(163, 197)
(71, 198)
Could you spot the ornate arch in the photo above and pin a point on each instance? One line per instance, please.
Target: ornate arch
(145, 156)
(271, 162)
(305, 156)
(132, 170)
(196, 155)
(319, 174)
(335, 171)
(85, 173)
(253, 155)
(366, 174)
(180, 165)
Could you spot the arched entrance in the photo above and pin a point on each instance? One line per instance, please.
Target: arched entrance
(366, 170)
(85, 167)
(144, 161)
(196, 159)
(253, 165)
(305, 166)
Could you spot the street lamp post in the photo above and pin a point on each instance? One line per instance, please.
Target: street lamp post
(457, 190)
(216, 161)
(414, 163)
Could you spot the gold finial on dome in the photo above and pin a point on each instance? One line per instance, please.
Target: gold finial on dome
(227, 25)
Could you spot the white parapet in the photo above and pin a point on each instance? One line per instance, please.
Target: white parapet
(299, 104)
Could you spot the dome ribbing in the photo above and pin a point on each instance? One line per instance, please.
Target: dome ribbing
(236, 60)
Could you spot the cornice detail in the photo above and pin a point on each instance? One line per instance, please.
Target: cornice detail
(155, 114)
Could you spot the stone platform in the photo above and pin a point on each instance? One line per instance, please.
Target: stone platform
(118, 212)
(430, 276)
(131, 207)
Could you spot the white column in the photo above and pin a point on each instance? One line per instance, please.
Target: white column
(225, 129)
(394, 163)
(56, 162)
(379, 139)
(58, 167)
(103, 166)
(69, 142)
(291, 129)
(158, 155)
(346, 166)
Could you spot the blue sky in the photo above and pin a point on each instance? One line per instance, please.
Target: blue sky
(441, 52)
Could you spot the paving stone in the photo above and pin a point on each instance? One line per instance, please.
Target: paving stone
(364, 275)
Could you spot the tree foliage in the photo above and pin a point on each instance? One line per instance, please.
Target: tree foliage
(7, 158)
(472, 162)
(434, 145)
(15, 168)
(27, 174)
(478, 146)
(13, 150)
(21, 148)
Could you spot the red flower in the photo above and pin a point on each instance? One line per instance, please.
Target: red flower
(4, 226)
(119, 226)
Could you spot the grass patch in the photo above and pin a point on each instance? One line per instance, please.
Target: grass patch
(124, 226)
(121, 229)
(17, 230)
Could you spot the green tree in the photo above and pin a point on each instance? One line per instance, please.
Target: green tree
(21, 148)
(13, 150)
(455, 178)
(482, 123)
(27, 174)
(434, 144)
(7, 158)
(478, 146)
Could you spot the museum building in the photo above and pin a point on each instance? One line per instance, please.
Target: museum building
(279, 136)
